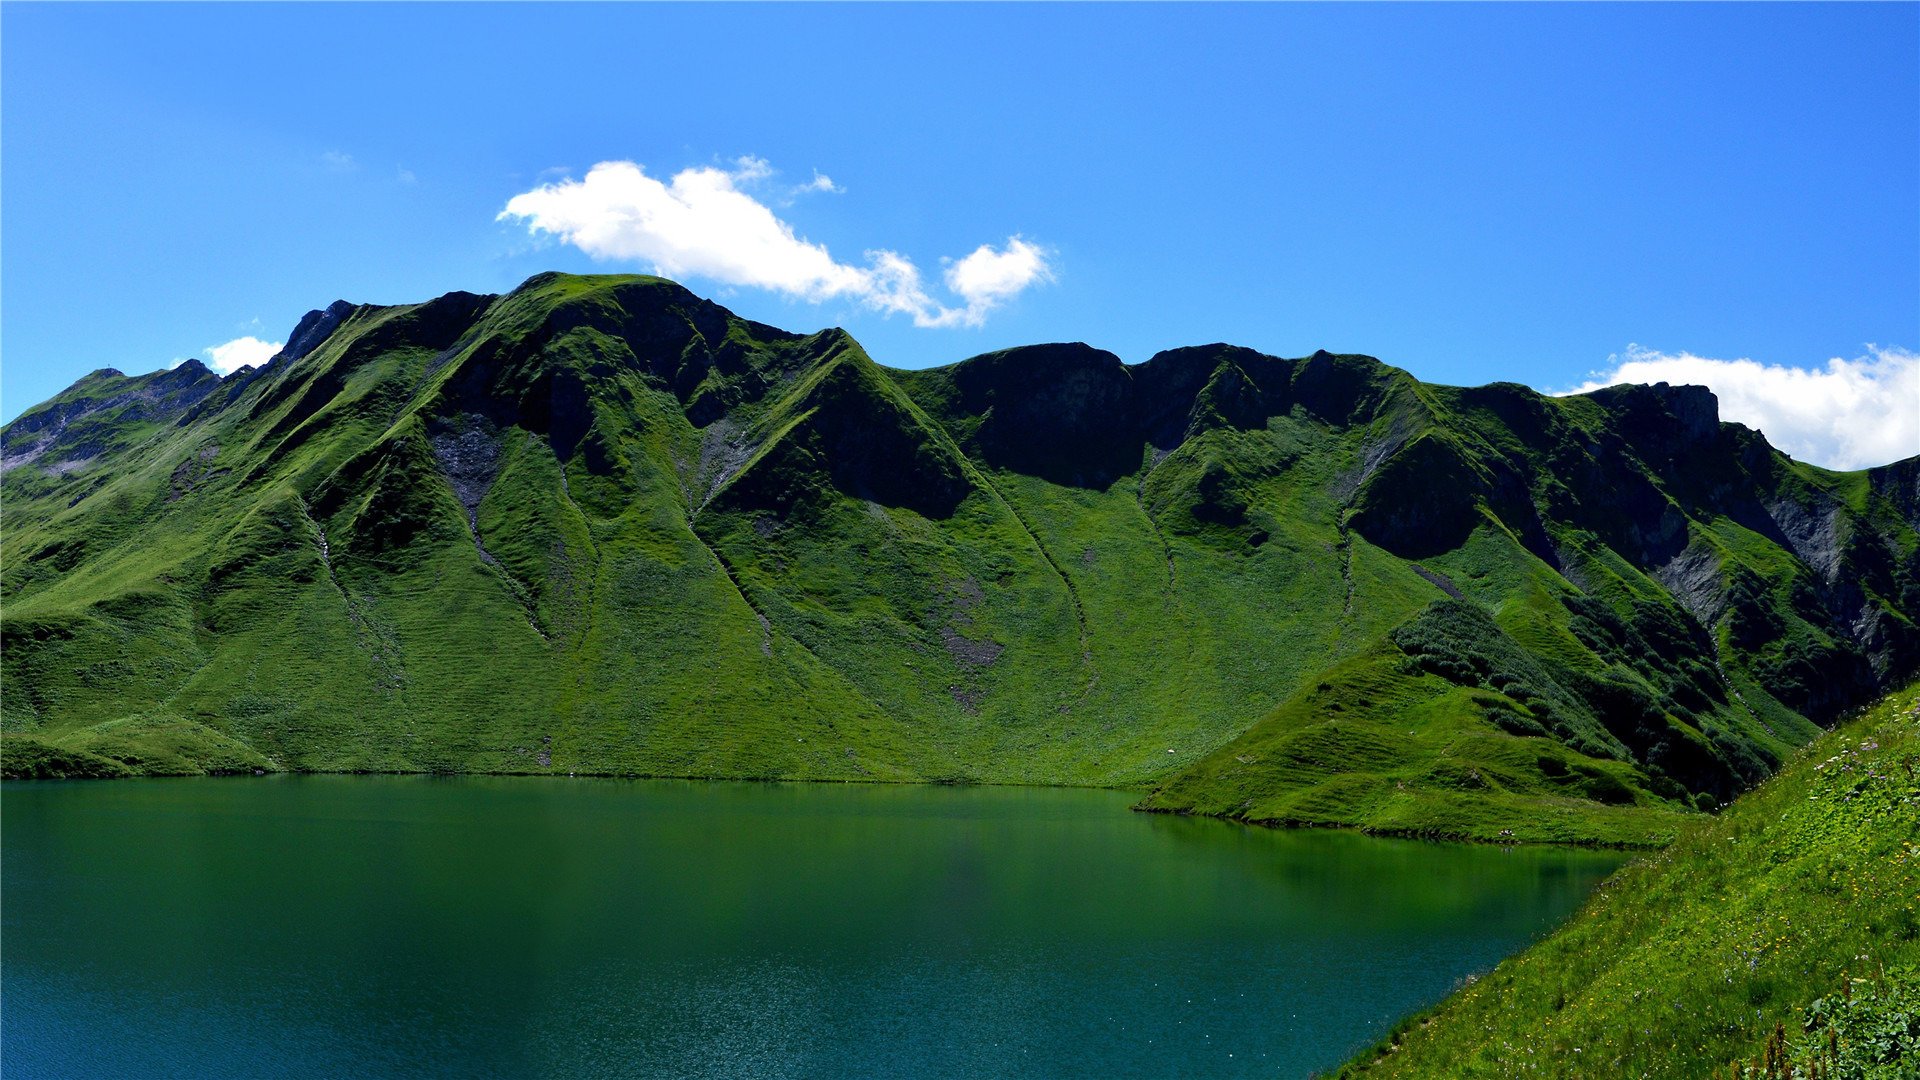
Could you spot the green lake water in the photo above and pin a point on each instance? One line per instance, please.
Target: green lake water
(407, 926)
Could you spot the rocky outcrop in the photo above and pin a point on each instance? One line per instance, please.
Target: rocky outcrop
(81, 422)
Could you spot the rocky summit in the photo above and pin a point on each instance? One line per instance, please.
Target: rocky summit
(600, 525)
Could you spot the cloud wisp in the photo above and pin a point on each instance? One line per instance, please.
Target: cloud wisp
(821, 182)
(702, 222)
(1848, 414)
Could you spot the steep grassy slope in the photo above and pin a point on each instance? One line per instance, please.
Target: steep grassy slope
(601, 525)
(1780, 939)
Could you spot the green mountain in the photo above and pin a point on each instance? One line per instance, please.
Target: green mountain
(601, 525)
(1779, 940)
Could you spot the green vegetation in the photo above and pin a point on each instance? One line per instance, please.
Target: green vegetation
(1381, 745)
(1778, 939)
(600, 525)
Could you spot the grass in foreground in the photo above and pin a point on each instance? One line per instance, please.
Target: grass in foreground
(1779, 939)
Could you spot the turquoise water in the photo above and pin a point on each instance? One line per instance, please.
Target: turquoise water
(412, 926)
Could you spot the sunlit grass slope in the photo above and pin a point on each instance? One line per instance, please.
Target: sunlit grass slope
(600, 525)
(1779, 939)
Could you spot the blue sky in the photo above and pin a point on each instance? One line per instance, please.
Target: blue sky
(1545, 194)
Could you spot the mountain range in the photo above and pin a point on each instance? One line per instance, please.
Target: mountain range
(599, 525)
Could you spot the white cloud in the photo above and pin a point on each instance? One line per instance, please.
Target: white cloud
(338, 161)
(235, 354)
(405, 176)
(1849, 414)
(700, 223)
(987, 277)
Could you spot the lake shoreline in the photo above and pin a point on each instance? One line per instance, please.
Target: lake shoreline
(1431, 835)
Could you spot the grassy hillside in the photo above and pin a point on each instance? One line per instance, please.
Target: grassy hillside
(1779, 939)
(601, 525)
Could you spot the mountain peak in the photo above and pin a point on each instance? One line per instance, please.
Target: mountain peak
(314, 327)
(1664, 414)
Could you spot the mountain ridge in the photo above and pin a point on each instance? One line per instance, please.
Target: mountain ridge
(690, 544)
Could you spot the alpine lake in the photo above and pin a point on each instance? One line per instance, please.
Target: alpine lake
(356, 926)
